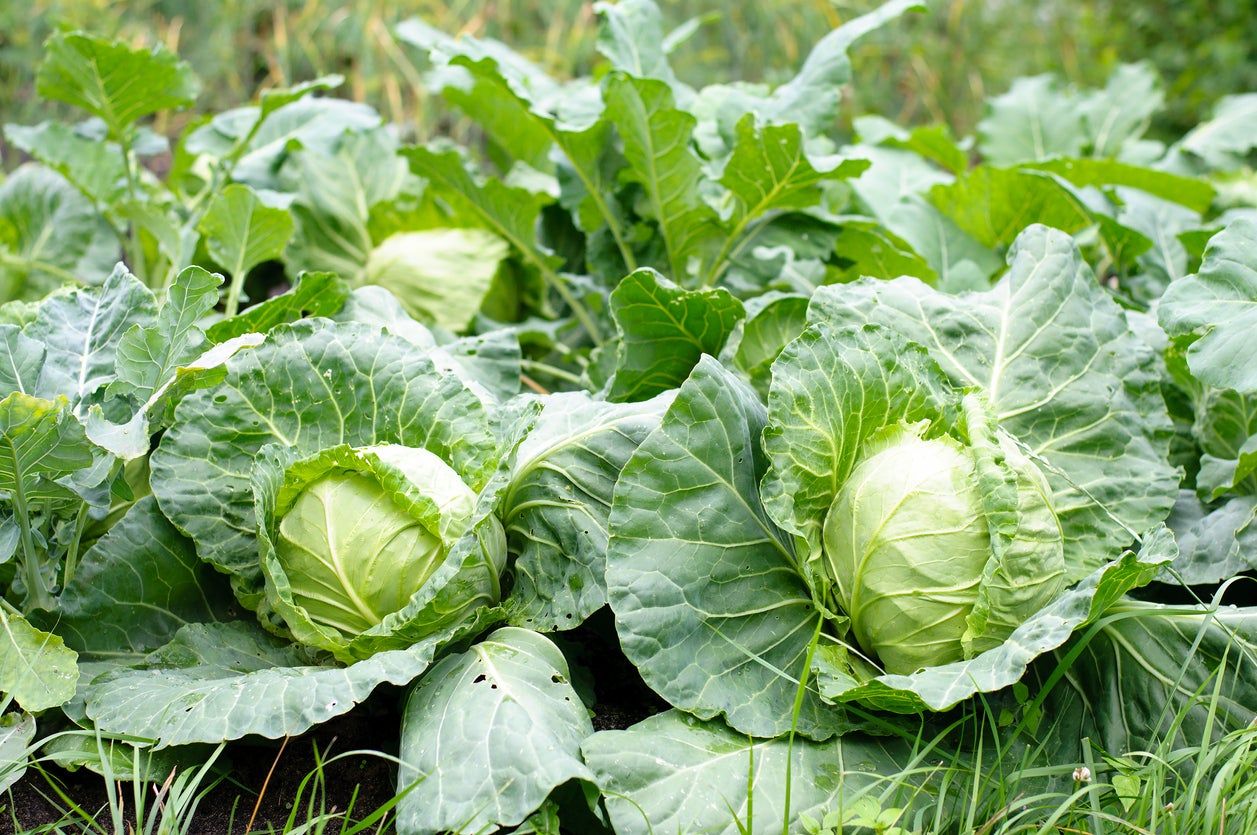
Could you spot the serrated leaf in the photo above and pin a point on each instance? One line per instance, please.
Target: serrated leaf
(664, 330)
(112, 81)
(242, 232)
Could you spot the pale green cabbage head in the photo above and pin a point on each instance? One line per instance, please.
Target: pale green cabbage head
(360, 533)
(441, 276)
(909, 545)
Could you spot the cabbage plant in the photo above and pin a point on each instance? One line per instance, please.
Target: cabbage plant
(939, 489)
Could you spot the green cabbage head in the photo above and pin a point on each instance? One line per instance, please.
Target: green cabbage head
(370, 539)
(938, 549)
(441, 276)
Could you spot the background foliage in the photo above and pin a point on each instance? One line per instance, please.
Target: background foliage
(935, 67)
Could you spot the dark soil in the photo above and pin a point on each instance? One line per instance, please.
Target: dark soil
(359, 783)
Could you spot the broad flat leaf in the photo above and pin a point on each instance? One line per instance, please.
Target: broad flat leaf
(488, 363)
(942, 687)
(868, 249)
(995, 204)
(1064, 373)
(82, 330)
(36, 668)
(135, 588)
(495, 86)
(312, 385)
(17, 731)
(1214, 545)
(132, 439)
(934, 142)
(1219, 305)
(96, 168)
(1036, 119)
(333, 197)
(489, 734)
(892, 177)
(664, 330)
(657, 147)
(1159, 669)
(1161, 222)
(708, 600)
(242, 232)
(313, 124)
(149, 354)
(556, 509)
(1123, 109)
(50, 236)
(960, 261)
(313, 294)
(819, 382)
(1230, 131)
(39, 441)
(221, 681)
(112, 81)
(21, 360)
(675, 773)
(1195, 194)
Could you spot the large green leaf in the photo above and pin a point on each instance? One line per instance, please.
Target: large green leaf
(995, 204)
(661, 159)
(40, 442)
(557, 507)
(313, 294)
(664, 330)
(17, 731)
(488, 734)
(1064, 373)
(112, 81)
(674, 773)
(135, 588)
(708, 599)
(97, 169)
(312, 385)
(148, 354)
(50, 235)
(82, 331)
(21, 360)
(1171, 676)
(1219, 305)
(36, 668)
(1036, 119)
(221, 681)
(241, 231)
(1214, 544)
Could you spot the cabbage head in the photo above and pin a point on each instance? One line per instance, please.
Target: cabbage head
(441, 276)
(366, 539)
(912, 544)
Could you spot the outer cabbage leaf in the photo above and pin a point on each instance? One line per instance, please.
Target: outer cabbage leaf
(488, 734)
(675, 773)
(557, 506)
(708, 598)
(1219, 305)
(223, 681)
